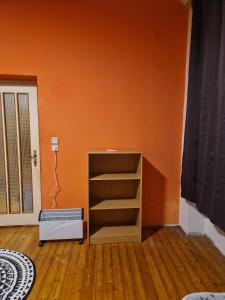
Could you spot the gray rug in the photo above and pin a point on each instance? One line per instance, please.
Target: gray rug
(17, 275)
(205, 296)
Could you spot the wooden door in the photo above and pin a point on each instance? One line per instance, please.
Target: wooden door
(20, 194)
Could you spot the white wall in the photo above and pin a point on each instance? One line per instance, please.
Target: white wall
(190, 219)
(216, 235)
(193, 222)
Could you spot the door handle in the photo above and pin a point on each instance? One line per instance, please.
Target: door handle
(34, 157)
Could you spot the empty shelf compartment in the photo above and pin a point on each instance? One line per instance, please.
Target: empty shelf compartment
(114, 234)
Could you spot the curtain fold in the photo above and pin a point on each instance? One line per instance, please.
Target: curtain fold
(203, 169)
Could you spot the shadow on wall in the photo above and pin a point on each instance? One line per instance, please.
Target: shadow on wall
(154, 195)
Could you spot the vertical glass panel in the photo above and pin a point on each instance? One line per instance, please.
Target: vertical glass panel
(25, 148)
(12, 151)
(3, 206)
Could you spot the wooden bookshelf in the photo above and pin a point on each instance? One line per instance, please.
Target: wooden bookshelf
(115, 196)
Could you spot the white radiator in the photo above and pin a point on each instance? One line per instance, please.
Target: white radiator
(60, 224)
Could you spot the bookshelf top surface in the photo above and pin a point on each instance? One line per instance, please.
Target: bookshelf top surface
(109, 151)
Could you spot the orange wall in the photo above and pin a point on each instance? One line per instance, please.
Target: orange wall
(110, 75)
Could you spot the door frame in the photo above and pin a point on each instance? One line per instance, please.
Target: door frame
(27, 218)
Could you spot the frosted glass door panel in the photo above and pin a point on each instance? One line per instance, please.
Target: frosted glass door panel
(3, 199)
(25, 151)
(12, 152)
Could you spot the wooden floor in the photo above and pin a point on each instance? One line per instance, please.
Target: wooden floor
(167, 265)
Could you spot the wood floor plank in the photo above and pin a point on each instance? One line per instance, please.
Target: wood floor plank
(155, 274)
(165, 266)
(15, 239)
(205, 255)
(72, 273)
(137, 280)
(163, 269)
(145, 274)
(118, 279)
(213, 250)
(43, 262)
(49, 285)
(61, 272)
(176, 259)
(194, 261)
(172, 270)
(184, 258)
(23, 241)
(107, 272)
(77, 284)
(95, 268)
(89, 274)
(127, 275)
(5, 236)
(99, 273)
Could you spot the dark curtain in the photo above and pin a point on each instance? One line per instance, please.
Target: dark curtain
(203, 170)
